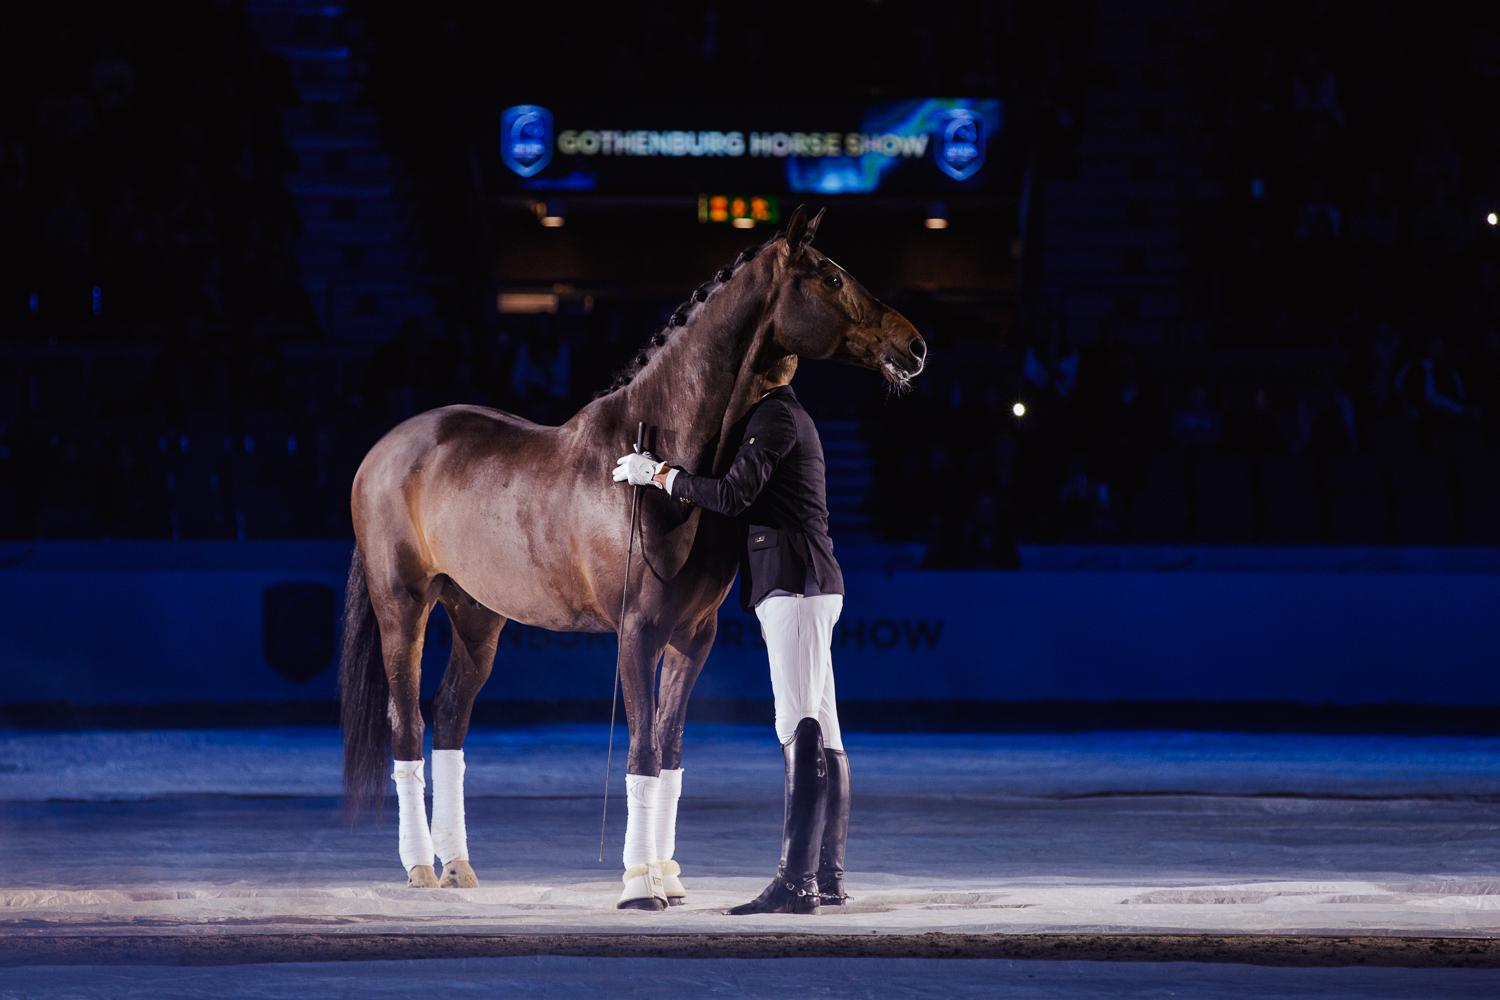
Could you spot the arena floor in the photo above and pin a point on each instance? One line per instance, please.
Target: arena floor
(1126, 858)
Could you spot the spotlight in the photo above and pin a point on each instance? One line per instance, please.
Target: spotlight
(1019, 409)
(551, 214)
(1492, 218)
(937, 216)
(743, 223)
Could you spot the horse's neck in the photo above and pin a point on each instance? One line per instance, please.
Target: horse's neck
(700, 382)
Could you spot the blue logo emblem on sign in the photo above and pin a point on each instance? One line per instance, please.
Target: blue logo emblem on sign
(960, 144)
(526, 138)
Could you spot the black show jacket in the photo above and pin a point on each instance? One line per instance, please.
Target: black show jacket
(777, 486)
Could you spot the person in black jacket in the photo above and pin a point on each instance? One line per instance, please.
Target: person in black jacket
(788, 575)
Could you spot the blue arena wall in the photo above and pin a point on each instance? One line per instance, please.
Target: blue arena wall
(143, 623)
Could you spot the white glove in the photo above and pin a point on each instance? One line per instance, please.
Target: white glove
(639, 469)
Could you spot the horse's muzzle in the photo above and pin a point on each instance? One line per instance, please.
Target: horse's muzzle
(905, 353)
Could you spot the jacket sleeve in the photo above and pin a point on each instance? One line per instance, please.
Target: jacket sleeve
(769, 435)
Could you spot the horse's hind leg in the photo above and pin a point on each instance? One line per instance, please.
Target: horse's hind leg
(476, 631)
(401, 608)
(679, 671)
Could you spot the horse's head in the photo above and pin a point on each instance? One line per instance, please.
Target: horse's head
(821, 311)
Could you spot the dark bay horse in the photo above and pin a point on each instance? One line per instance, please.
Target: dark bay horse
(501, 519)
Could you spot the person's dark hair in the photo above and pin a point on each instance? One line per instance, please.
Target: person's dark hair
(782, 371)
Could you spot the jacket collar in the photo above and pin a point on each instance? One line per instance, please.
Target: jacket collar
(780, 390)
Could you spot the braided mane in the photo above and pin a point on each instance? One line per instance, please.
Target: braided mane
(680, 317)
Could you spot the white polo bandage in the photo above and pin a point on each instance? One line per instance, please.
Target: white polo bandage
(668, 790)
(449, 836)
(640, 820)
(415, 837)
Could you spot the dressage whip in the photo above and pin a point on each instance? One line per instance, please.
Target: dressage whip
(614, 698)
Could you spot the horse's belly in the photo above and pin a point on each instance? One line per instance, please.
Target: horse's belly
(517, 589)
(549, 618)
(505, 575)
(507, 529)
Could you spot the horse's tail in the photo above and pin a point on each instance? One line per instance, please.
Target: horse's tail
(364, 697)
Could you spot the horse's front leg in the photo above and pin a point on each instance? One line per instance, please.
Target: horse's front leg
(679, 670)
(641, 648)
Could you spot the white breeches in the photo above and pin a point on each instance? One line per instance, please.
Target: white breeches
(799, 642)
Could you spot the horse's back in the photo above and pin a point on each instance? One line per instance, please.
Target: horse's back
(450, 422)
(463, 424)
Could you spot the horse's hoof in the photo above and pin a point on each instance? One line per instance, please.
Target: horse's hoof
(422, 877)
(649, 903)
(459, 875)
(672, 883)
(643, 889)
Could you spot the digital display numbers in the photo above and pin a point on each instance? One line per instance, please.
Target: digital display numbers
(737, 209)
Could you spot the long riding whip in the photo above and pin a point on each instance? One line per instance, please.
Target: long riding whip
(614, 698)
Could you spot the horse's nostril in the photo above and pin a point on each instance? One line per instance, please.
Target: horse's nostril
(918, 348)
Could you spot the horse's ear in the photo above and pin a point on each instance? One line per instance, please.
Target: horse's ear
(812, 228)
(796, 229)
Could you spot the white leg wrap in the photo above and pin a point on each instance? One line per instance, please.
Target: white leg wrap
(667, 794)
(643, 879)
(416, 838)
(640, 822)
(449, 835)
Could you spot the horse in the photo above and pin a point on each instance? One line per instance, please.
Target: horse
(501, 519)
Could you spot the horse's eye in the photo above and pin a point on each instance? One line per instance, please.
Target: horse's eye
(832, 280)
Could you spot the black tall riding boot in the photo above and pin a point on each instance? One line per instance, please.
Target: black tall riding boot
(795, 887)
(835, 829)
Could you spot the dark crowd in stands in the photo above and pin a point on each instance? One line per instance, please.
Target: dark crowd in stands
(1334, 375)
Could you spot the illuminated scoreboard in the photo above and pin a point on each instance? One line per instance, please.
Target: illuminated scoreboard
(738, 209)
(926, 146)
